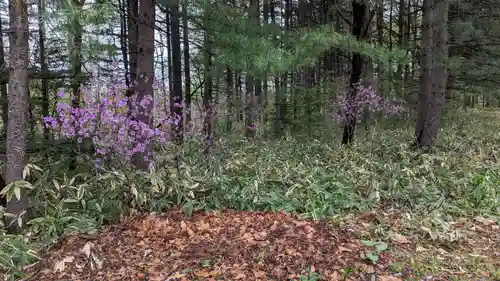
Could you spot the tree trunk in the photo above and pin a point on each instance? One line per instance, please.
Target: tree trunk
(18, 108)
(123, 40)
(239, 96)
(3, 85)
(264, 94)
(358, 20)
(230, 99)
(176, 106)
(76, 70)
(415, 57)
(168, 19)
(43, 63)
(164, 90)
(208, 104)
(252, 84)
(187, 64)
(76, 53)
(144, 81)
(434, 72)
(380, 35)
(367, 76)
(278, 122)
(132, 32)
(401, 33)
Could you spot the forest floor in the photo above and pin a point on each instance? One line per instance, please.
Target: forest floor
(380, 245)
(436, 217)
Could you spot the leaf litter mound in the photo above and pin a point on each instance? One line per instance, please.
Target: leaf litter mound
(231, 245)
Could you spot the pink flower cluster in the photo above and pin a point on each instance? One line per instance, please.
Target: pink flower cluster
(106, 119)
(365, 99)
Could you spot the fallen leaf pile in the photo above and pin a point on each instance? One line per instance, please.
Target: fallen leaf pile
(209, 246)
(241, 245)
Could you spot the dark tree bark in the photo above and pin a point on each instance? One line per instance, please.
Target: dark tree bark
(380, 37)
(278, 120)
(208, 90)
(252, 85)
(415, 57)
(18, 108)
(132, 32)
(3, 85)
(76, 60)
(358, 22)
(76, 70)
(433, 72)
(329, 56)
(407, 34)
(123, 40)
(338, 54)
(453, 15)
(176, 106)
(239, 96)
(43, 63)
(264, 95)
(168, 20)
(144, 79)
(230, 98)
(287, 77)
(164, 77)
(187, 64)
(401, 33)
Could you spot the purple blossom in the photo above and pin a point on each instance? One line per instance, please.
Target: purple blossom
(60, 94)
(366, 98)
(108, 122)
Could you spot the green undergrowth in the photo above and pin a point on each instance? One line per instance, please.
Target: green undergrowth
(313, 177)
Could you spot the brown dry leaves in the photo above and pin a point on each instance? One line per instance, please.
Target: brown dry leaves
(207, 246)
(239, 245)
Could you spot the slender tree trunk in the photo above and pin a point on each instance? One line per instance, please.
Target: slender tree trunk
(76, 53)
(165, 92)
(176, 106)
(401, 33)
(239, 96)
(425, 67)
(415, 57)
(18, 109)
(252, 85)
(407, 40)
(76, 70)
(264, 94)
(453, 51)
(250, 129)
(278, 122)
(3, 85)
(144, 81)
(208, 104)
(43, 63)
(230, 91)
(358, 21)
(367, 75)
(309, 70)
(338, 54)
(132, 32)
(169, 51)
(187, 64)
(123, 40)
(390, 69)
(380, 35)
(230, 98)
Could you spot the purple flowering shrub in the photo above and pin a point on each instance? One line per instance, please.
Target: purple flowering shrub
(366, 99)
(105, 118)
